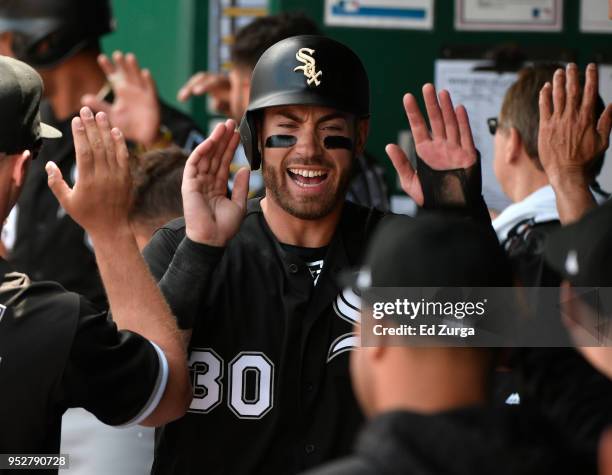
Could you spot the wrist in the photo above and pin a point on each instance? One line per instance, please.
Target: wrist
(162, 139)
(569, 182)
(111, 235)
(204, 238)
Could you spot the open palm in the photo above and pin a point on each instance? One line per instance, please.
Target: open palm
(210, 216)
(449, 146)
(135, 109)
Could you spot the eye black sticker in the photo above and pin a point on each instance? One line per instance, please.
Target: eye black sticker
(281, 141)
(332, 142)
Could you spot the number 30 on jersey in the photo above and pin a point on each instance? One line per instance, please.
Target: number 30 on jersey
(250, 383)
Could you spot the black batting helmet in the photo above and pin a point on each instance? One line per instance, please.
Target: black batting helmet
(47, 32)
(304, 70)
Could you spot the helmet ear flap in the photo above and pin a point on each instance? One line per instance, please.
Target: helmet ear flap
(250, 139)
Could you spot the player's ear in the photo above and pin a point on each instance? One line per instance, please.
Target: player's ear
(6, 44)
(513, 144)
(362, 129)
(20, 167)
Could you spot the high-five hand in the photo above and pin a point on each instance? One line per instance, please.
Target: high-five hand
(449, 146)
(210, 216)
(101, 197)
(570, 136)
(217, 86)
(135, 109)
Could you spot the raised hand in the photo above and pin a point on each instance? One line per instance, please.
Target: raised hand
(570, 136)
(136, 109)
(101, 197)
(210, 216)
(449, 146)
(216, 85)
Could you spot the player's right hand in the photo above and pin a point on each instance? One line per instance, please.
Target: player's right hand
(570, 136)
(217, 86)
(210, 216)
(102, 195)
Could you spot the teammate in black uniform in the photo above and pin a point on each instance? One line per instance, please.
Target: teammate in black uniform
(257, 284)
(56, 351)
(60, 38)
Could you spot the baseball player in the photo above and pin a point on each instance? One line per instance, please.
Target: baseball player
(61, 39)
(254, 285)
(56, 351)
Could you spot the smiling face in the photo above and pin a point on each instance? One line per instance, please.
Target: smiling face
(307, 157)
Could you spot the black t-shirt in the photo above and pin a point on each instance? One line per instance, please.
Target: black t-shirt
(48, 244)
(57, 352)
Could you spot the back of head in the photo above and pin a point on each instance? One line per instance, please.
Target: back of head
(157, 187)
(256, 37)
(432, 251)
(520, 108)
(20, 91)
(47, 32)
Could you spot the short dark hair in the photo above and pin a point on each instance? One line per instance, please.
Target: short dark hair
(253, 39)
(520, 108)
(158, 176)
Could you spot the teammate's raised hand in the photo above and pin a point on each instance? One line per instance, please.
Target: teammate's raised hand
(570, 136)
(101, 197)
(449, 146)
(210, 216)
(135, 109)
(217, 86)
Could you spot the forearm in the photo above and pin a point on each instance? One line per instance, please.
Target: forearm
(138, 305)
(574, 198)
(187, 280)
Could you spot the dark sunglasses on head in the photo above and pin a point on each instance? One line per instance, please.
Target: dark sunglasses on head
(493, 123)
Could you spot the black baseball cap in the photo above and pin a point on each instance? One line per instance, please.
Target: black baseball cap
(20, 91)
(434, 251)
(582, 252)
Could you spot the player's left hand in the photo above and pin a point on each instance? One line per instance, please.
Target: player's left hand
(101, 197)
(449, 146)
(135, 110)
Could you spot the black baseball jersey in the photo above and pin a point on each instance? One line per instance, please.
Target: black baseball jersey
(57, 352)
(269, 350)
(44, 242)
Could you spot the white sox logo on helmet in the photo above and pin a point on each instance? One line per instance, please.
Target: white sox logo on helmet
(304, 55)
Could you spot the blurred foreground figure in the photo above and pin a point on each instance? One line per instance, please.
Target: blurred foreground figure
(430, 405)
(582, 254)
(61, 39)
(56, 350)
